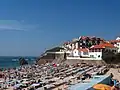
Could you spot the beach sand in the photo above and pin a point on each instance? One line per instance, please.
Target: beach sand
(10, 88)
(62, 87)
(116, 74)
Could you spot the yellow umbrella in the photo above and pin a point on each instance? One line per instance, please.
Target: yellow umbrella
(102, 87)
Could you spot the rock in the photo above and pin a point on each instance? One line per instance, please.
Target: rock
(22, 61)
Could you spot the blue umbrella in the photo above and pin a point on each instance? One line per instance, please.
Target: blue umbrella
(17, 85)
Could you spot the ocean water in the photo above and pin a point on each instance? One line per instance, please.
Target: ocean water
(12, 62)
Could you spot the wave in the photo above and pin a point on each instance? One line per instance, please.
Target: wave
(14, 59)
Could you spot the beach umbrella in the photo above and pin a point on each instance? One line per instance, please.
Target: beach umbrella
(55, 79)
(25, 82)
(102, 87)
(25, 79)
(1, 81)
(71, 77)
(17, 85)
(49, 86)
(35, 84)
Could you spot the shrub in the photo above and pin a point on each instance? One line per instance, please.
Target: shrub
(111, 58)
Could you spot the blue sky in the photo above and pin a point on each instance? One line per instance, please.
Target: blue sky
(28, 27)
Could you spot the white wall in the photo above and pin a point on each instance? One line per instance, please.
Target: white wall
(97, 55)
(78, 58)
(118, 46)
(118, 38)
(76, 45)
(76, 52)
(69, 46)
(69, 52)
(84, 55)
(73, 46)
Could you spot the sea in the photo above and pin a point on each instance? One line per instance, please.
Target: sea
(13, 61)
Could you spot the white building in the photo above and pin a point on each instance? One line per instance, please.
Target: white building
(80, 52)
(75, 53)
(67, 45)
(116, 43)
(84, 52)
(118, 38)
(96, 51)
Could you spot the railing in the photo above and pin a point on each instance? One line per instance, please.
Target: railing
(79, 58)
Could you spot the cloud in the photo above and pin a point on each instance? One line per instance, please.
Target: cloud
(16, 25)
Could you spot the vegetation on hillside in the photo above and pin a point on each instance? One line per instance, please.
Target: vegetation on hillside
(111, 58)
(55, 49)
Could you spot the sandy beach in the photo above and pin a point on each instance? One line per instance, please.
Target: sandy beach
(116, 74)
(49, 75)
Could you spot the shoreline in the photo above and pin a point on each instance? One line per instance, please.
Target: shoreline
(13, 62)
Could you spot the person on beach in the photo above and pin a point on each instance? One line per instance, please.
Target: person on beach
(116, 85)
(111, 75)
(115, 88)
(115, 82)
(118, 70)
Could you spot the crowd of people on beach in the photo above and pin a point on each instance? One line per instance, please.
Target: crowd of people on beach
(49, 76)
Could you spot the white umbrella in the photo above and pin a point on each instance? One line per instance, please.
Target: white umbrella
(25, 82)
(55, 79)
(1, 81)
(24, 79)
(49, 86)
(17, 85)
(35, 84)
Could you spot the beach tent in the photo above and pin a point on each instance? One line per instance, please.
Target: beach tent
(102, 87)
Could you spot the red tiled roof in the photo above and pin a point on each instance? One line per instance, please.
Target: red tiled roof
(83, 37)
(114, 41)
(103, 45)
(66, 42)
(84, 49)
(97, 46)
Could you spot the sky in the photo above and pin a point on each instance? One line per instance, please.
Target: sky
(28, 27)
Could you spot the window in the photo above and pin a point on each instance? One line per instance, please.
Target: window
(106, 50)
(92, 50)
(92, 56)
(98, 55)
(112, 50)
(85, 53)
(95, 50)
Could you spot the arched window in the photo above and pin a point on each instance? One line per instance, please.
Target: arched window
(98, 55)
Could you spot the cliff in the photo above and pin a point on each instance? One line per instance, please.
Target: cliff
(51, 56)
